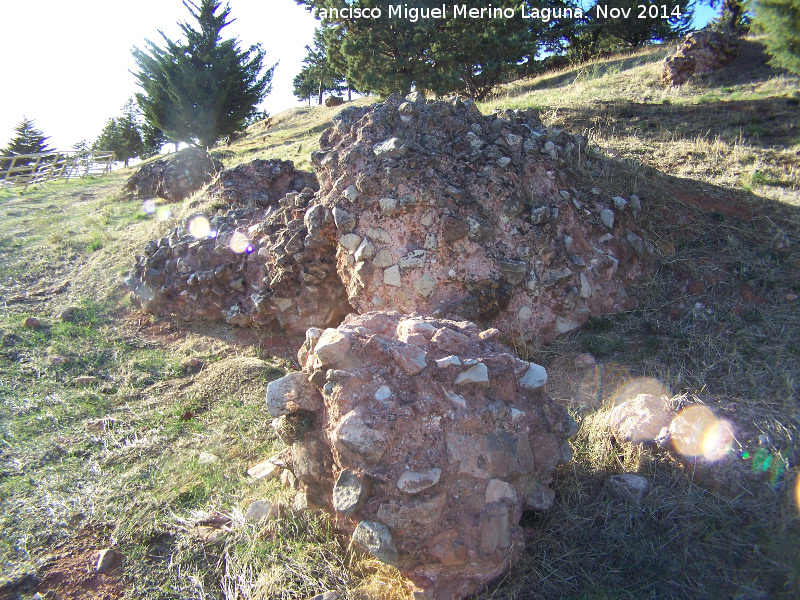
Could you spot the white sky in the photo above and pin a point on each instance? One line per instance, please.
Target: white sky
(66, 64)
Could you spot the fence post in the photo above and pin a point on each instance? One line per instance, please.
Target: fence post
(33, 172)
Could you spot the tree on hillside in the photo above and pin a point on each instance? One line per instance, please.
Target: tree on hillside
(452, 54)
(594, 35)
(781, 18)
(204, 88)
(733, 16)
(318, 76)
(122, 135)
(28, 140)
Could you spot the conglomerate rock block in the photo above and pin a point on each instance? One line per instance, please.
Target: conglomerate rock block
(426, 438)
(447, 212)
(249, 267)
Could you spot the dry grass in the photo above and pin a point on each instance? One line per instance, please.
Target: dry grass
(290, 135)
(735, 128)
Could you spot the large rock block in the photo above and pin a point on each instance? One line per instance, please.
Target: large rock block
(700, 52)
(453, 213)
(427, 207)
(434, 441)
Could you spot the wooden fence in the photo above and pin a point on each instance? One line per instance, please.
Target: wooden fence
(32, 169)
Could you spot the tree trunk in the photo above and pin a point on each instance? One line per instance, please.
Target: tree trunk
(320, 93)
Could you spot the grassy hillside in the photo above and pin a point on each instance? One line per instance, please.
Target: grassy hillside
(150, 456)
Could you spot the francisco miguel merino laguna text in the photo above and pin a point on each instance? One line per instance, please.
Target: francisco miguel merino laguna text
(414, 13)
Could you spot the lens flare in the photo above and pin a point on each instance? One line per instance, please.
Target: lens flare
(162, 213)
(696, 431)
(149, 207)
(199, 227)
(641, 385)
(797, 492)
(239, 243)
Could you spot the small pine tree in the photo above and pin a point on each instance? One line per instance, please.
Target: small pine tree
(121, 135)
(318, 76)
(28, 140)
(781, 19)
(205, 88)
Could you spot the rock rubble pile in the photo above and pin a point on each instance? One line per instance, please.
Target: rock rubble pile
(259, 183)
(271, 267)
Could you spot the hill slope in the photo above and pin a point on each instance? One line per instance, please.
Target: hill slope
(150, 456)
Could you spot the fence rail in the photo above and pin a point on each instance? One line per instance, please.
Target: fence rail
(32, 169)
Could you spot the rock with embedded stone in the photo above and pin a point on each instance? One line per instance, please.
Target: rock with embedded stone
(173, 177)
(534, 379)
(700, 52)
(291, 393)
(431, 441)
(474, 375)
(641, 419)
(348, 493)
(333, 346)
(261, 183)
(266, 264)
(354, 435)
(442, 229)
(446, 220)
(375, 538)
(413, 483)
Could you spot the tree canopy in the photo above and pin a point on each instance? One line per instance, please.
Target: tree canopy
(455, 53)
(441, 55)
(781, 18)
(201, 89)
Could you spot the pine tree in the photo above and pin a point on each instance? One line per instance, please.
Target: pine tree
(204, 88)
(446, 55)
(121, 135)
(29, 140)
(318, 76)
(781, 19)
